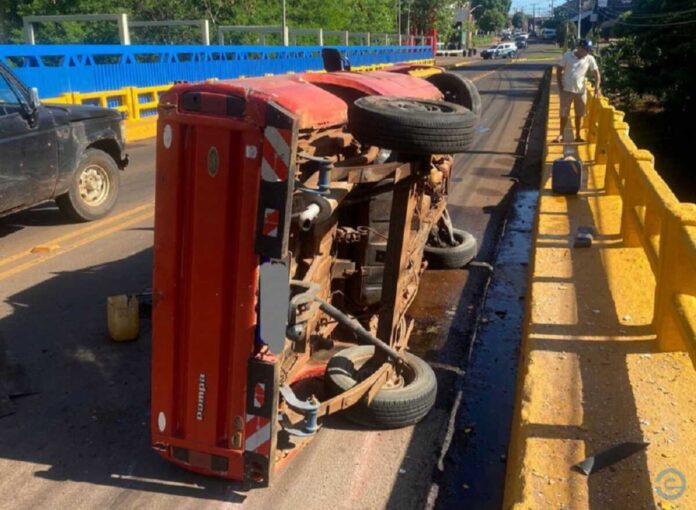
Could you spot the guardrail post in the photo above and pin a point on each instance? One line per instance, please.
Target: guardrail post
(611, 169)
(205, 32)
(676, 274)
(594, 106)
(606, 117)
(29, 37)
(633, 198)
(615, 162)
(123, 31)
(132, 102)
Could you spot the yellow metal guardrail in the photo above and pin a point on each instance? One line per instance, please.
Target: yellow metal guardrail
(138, 105)
(652, 217)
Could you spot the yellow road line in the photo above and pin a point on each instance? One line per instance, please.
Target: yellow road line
(77, 244)
(76, 233)
(482, 76)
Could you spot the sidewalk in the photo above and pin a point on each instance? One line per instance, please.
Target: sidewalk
(591, 375)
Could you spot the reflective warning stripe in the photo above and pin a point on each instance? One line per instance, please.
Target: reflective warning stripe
(259, 395)
(277, 163)
(271, 218)
(258, 434)
(276, 155)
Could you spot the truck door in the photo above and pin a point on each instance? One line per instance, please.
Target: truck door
(28, 155)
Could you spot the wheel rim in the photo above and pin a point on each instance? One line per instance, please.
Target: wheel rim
(419, 106)
(397, 381)
(94, 185)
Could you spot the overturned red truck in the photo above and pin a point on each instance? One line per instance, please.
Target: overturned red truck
(294, 217)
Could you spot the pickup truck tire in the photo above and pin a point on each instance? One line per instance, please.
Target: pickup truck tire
(94, 188)
(394, 406)
(412, 126)
(452, 257)
(458, 90)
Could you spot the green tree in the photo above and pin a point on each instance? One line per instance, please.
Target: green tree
(427, 14)
(502, 6)
(655, 53)
(492, 21)
(355, 15)
(519, 20)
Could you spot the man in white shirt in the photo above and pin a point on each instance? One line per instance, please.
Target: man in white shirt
(571, 71)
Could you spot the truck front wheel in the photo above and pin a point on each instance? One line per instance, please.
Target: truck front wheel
(94, 188)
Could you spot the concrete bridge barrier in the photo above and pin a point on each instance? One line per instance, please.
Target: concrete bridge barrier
(609, 344)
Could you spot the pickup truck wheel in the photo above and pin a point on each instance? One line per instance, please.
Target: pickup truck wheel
(94, 189)
(412, 126)
(399, 403)
(458, 90)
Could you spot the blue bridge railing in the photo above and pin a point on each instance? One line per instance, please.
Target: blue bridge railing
(56, 69)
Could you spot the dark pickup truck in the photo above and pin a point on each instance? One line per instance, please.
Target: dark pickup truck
(70, 153)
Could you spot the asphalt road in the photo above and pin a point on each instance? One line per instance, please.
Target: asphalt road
(82, 441)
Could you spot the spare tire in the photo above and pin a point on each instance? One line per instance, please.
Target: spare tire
(452, 257)
(458, 90)
(393, 406)
(414, 126)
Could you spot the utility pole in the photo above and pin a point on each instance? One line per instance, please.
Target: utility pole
(534, 18)
(579, 18)
(398, 17)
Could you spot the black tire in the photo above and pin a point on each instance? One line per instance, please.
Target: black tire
(458, 90)
(452, 257)
(392, 407)
(413, 126)
(94, 202)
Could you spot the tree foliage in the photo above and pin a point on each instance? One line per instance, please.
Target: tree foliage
(492, 21)
(519, 20)
(502, 6)
(355, 15)
(654, 54)
(491, 15)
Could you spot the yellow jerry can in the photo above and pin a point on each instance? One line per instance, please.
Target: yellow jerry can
(123, 318)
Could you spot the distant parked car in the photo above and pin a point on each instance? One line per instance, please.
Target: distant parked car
(521, 43)
(502, 50)
(548, 34)
(70, 153)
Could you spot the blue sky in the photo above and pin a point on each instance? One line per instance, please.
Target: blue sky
(542, 6)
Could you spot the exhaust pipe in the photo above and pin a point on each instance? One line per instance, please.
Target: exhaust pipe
(307, 217)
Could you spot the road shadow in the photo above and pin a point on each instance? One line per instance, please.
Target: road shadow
(478, 431)
(43, 215)
(90, 421)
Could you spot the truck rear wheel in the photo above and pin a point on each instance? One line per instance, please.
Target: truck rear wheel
(94, 188)
(458, 90)
(400, 403)
(412, 126)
